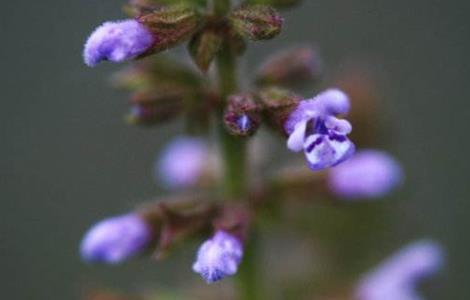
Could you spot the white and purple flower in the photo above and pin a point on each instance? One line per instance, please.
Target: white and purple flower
(314, 128)
(218, 257)
(368, 174)
(117, 41)
(398, 276)
(116, 239)
(182, 162)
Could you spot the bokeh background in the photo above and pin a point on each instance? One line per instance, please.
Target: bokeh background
(68, 159)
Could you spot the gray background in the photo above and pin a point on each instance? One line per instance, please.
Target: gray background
(67, 159)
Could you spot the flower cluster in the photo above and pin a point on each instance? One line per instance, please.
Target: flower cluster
(228, 203)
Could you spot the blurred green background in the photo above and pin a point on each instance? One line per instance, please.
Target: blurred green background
(68, 159)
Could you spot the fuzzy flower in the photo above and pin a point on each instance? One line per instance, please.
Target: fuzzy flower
(117, 41)
(368, 174)
(182, 162)
(115, 239)
(218, 257)
(397, 277)
(314, 128)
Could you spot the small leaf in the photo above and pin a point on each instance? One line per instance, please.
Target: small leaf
(204, 47)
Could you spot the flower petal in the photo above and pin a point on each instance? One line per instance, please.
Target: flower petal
(338, 125)
(334, 102)
(296, 139)
(324, 151)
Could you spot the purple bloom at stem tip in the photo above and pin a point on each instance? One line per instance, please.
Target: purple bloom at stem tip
(398, 276)
(218, 257)
(117, 41)
(314, 128)
(368, 174)
(115, 239)
(182, 162)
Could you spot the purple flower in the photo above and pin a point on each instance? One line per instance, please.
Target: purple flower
(368, 174)
(182, 162)
(218, 257)
(117, 41)
(313, 128)
(397, 277)
(116, 239)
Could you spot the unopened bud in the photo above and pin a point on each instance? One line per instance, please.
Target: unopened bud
(218, 257)
(242, 116)
(116, 239)
(278, 104)
(149, 108)
(290, 68)
(136, 8)
(170, 25)
(257, 22)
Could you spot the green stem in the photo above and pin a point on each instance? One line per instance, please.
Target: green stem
(247, 276)
(234, 159)
(233, 148)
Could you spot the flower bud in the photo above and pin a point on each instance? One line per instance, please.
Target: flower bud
(242, 115)
(290, 68)
(116, 239)
(218, 257)
(278, 104)
(397, 278)
(182, 162)
(170, 25)
(136, 8)
(204, 46)
(117, 41)
(368, 174)
(256, 22)
(149, 108)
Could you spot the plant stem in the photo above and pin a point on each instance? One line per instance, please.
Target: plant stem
(234, 159)
(233, 148)
(249, 286)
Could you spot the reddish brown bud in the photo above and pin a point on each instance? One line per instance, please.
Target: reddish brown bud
(256, 22)
(152, 108)
(242, 115)
(290, 68)
(170, 25)
(278, 104)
